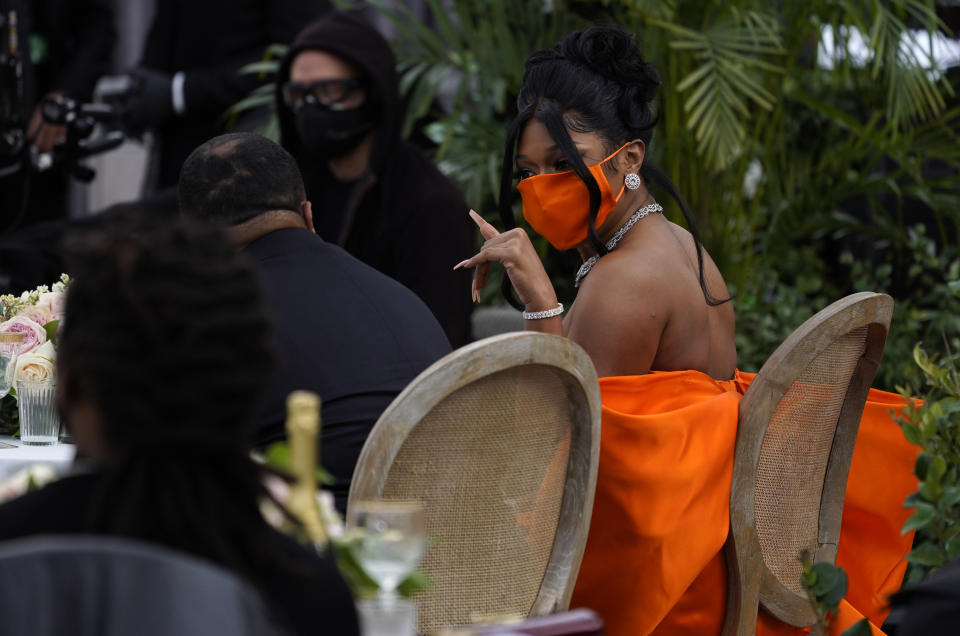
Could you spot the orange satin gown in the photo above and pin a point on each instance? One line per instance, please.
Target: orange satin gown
(654, 560)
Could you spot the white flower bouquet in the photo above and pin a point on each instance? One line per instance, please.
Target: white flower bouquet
(36, 314)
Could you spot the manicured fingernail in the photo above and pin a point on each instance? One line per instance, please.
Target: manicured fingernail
(460, 264)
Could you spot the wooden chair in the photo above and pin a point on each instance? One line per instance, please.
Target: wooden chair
(797, 427)
(578, 622)
(500, 441)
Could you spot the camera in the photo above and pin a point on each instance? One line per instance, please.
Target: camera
(79, 119)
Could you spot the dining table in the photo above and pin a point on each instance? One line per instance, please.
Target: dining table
(15, 456)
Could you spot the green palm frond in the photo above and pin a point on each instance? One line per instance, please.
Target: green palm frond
(655, 9)
(733, 57)
(260, 96)
(915, 90)
(470, 150)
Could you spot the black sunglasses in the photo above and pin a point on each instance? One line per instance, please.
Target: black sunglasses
(330, 92)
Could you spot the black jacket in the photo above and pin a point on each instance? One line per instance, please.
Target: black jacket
(209, 40)
(404, 218)
(344, 331)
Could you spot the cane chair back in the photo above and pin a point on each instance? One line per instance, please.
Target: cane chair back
(797, 426)
(500, 442)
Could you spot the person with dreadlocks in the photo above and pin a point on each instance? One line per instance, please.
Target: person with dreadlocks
(654, 314)
(161, 364)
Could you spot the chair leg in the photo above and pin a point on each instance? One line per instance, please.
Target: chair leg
(743, 594)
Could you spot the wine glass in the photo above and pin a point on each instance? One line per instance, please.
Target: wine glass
(9, 350)
(393, 537)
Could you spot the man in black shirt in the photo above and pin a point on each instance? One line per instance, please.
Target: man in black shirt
(342, 329)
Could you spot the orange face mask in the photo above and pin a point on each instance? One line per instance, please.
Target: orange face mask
(557, 206)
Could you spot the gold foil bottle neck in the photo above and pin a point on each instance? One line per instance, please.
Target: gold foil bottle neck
(303, 431)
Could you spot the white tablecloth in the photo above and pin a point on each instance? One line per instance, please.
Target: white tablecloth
(13, 459)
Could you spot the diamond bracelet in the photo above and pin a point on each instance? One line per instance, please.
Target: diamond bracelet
(548, 313)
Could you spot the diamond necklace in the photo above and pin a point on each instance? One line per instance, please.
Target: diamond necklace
(612, 243)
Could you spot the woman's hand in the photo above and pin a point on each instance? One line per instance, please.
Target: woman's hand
(515, 251)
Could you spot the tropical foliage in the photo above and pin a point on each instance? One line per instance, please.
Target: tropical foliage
(826, 586)
(934, 425)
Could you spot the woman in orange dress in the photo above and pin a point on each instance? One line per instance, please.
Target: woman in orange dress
(653, 313)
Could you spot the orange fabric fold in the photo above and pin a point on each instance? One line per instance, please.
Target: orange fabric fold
(654, 560)
(881, 477)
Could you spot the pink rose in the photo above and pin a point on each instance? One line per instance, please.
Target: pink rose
(33, 334)
(37, 313)
(53, 302)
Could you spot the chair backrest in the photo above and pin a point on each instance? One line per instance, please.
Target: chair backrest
(500, 441)
(797, 426)
(106, 586)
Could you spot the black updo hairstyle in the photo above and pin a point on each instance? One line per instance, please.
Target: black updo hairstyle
(165, 334)
(594, 80)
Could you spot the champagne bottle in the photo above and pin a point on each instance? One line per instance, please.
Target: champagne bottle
(303, 429)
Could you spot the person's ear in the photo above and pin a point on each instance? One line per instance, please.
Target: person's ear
(632, 156)
(306, 211)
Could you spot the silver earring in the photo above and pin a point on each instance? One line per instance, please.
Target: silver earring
(632, 181)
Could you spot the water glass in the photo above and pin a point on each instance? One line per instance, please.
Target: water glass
(393, 539)
(39, 419)
(399, 618)
(9, 349)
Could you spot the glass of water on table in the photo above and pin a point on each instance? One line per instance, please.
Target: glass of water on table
(393, 537)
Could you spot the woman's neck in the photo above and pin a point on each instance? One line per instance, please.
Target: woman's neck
(630, 202)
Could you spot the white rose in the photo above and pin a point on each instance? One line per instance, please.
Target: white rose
(37, 365)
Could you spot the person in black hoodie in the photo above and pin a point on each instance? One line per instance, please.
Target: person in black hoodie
(373, 193)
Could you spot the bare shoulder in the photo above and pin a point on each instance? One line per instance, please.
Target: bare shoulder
(643, 307)
(620, 313)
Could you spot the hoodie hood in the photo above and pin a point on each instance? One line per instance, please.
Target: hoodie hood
(347, 35)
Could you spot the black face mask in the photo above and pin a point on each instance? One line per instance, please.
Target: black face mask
(331, 134)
